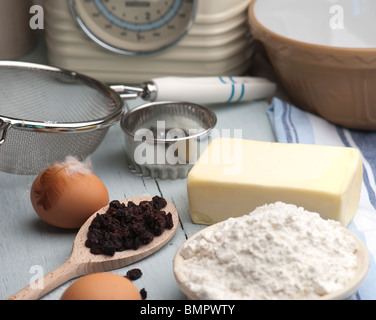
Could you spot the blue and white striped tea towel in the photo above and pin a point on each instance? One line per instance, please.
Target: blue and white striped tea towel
(292, 125)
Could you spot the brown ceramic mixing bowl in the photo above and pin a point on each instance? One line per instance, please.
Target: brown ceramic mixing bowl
(337, 83)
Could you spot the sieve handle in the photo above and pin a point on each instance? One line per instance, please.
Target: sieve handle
(128, 92)
(4, 127)
(211, 90)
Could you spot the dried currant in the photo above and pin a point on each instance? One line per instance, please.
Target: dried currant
(134, 274)
(127, 227)
(143, 294)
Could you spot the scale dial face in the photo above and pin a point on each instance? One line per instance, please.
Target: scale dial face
(135, 27)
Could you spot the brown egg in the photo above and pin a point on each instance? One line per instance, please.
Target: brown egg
(102, 286)
(67, 194)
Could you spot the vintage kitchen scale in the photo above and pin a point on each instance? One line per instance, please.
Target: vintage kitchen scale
(134, 41)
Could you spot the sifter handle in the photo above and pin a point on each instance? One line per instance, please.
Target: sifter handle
(212, 90)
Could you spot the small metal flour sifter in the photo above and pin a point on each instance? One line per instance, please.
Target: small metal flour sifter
(47, 113)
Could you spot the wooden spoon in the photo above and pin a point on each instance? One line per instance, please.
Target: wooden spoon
(82, 262)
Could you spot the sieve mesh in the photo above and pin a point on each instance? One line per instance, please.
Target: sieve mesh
(50, 96)
(26, 152)
(30, 92)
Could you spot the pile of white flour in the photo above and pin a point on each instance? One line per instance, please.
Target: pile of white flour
(278, 251)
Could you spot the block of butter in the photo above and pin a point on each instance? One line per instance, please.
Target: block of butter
(234, 176)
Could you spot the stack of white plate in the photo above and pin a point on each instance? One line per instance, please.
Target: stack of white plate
(218, 44)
